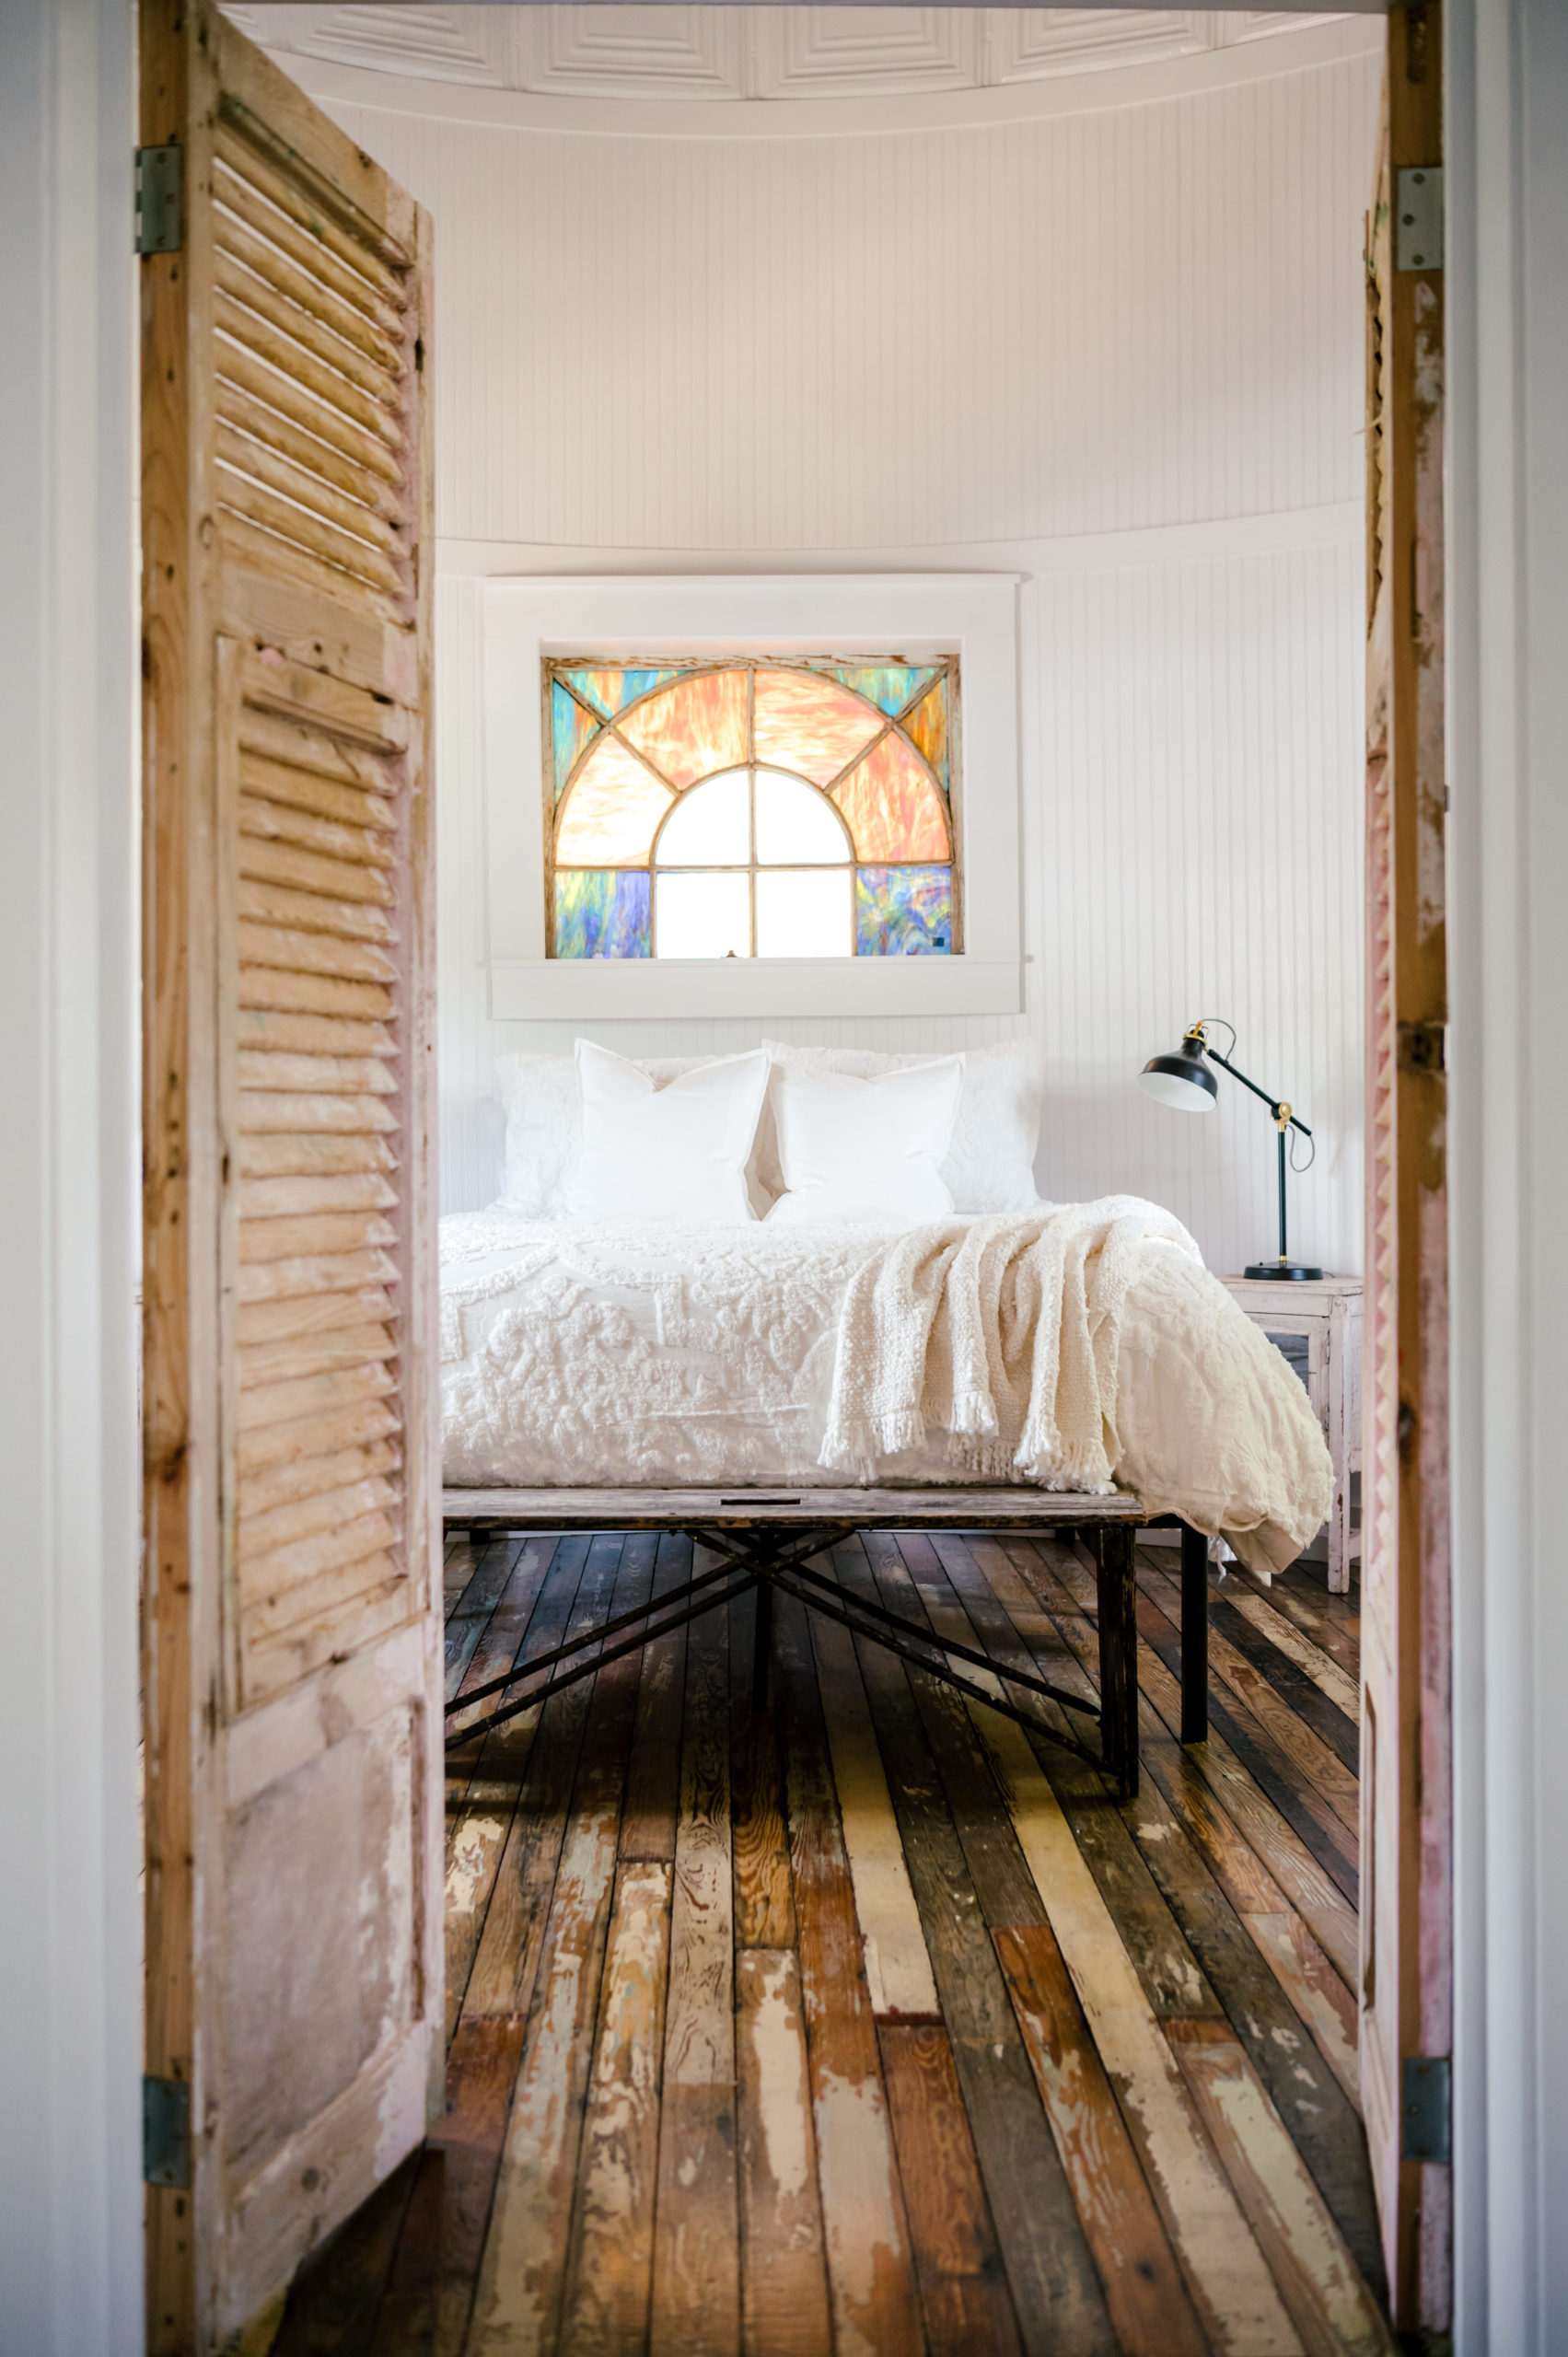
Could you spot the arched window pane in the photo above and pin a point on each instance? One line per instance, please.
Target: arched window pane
(806, 722)
(893, 809)
(702, 916)
(710, 826)
(611, 810)
(695, 728)
(802, 914)
(795, 827)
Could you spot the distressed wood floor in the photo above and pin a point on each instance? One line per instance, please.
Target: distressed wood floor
(872, 2023)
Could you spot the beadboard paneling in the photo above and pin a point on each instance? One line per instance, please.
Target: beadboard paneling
(1028, 348)
(1142, 316)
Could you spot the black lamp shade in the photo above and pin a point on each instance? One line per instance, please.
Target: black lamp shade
(1185, 1080)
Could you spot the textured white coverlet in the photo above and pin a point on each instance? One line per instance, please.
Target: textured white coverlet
(638, 1355)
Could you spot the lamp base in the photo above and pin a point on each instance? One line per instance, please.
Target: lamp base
(1284, 1271)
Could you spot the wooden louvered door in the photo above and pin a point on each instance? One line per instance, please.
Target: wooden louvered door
(291, 1640)
(1406, 1846)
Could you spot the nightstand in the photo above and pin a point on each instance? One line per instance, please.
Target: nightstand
(1326, 1312)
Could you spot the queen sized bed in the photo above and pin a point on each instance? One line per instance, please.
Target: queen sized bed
(619, 1354)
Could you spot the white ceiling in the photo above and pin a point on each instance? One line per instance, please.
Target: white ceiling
(746, 53)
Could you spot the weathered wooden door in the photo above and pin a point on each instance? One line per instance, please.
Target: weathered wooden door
(1406, 1814)
(292, 1699)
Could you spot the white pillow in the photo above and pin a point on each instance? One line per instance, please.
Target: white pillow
(990, 1163)
(864, 1150)
(675, 1153)
(544, 1130)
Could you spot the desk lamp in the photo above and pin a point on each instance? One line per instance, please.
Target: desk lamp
(1185, 1081)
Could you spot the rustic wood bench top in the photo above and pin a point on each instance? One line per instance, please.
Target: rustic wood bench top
(980, 1509)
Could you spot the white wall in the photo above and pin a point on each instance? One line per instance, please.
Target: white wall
(70, 1927)
(1508, 605)
(1116, 347)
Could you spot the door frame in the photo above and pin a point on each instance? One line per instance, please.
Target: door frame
(69, 2242)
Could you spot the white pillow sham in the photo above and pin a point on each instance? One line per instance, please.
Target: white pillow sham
(989, 1163)
(544, 1130)
(855, 1150)
(676, 1152)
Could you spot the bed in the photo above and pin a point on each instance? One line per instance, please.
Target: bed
(699, 1375)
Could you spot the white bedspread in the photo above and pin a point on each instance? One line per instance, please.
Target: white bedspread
(637, 1356)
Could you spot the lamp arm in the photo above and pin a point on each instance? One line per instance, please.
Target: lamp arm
(1274, 1104)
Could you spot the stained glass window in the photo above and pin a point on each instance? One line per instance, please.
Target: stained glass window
(763, 807)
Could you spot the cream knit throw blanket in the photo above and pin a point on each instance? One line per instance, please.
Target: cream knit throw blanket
(1002, 1332)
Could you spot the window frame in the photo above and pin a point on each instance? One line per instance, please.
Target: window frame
(914, 617)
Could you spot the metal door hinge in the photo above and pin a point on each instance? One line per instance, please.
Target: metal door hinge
(1425, 2096)
(165, 2131)
(1418, 218)
(161, 200)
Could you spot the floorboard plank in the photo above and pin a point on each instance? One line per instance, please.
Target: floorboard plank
(1316, 1989)
(963, 2286)
(466, 1624)
(1161, 1955)
(1319, 2282)
(522, 2271)
(898, 1968)
(1225, 2271)
(764, 1905)
(782, 2268)
(943, 1789)
(1332, 1622)
(653, 1778)
(430, 2291)
(696, 2294)
(871, 2284)
(1300, 2033)
(610, 2265)
(1144, 2287)
(1294, 1730)
(502, 1929)
(1281, 1631)
(1301, 1694)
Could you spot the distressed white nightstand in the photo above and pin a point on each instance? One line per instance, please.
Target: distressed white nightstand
(1327, 1311)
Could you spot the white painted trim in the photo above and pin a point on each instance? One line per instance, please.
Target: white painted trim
(1094, 92)
(1507, 603)
(910, 613)
(70, 1917)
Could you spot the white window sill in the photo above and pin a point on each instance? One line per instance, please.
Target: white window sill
(616, 989)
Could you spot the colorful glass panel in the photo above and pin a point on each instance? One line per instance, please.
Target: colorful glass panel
(805, 722)
(892, 806)
(610, 814)
(927, 726)
(889, 685)
(611, 687)
(603, 912)
(572, 727)
(904, 911)
(694, 728)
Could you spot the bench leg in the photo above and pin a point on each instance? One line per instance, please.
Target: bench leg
(1118, 1654)
(762, 1644)
(1194, 1636)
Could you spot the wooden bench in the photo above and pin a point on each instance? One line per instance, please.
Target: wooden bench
(764, 1541)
